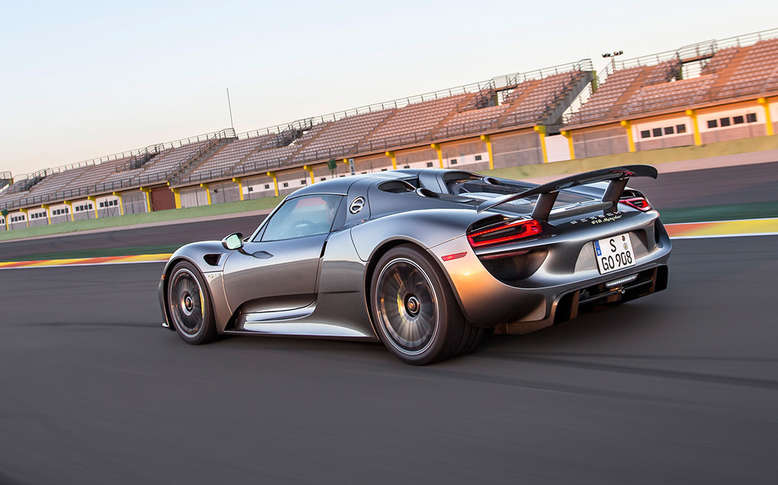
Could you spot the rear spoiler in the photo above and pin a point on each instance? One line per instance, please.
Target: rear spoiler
(547, 193)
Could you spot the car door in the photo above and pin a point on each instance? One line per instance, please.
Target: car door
(278, 270)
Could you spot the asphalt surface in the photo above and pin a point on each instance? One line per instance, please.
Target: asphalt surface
(679, 387)
(716, 186)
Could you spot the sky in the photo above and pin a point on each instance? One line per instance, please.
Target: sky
(79, 80)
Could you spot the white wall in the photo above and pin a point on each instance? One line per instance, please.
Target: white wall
(107, 198)
(84, 206)
(650, 125)
(557, 148)
(463, 160)
(715, 115)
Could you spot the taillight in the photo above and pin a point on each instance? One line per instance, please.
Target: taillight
(639, 203)
(504, 232)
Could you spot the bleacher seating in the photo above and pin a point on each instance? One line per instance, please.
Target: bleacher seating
(602, 101)
(10, 197)
(342, 135)
(57, 181)
(533, 105)
(416, 120)
(124, 175)
(97, 173)
(471, 120)
(519, 90)
(720, 60)
(751, 75)
(662, 72)
(232, 153)
(662, 96)
(265, 159)
(169, 160)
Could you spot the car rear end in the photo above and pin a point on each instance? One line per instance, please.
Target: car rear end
(521, 272)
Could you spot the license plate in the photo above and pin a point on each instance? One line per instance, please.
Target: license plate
(614, 253)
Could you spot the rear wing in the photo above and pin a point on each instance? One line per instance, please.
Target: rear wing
(618, 177)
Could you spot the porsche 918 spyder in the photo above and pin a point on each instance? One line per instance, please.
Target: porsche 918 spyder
(426, 261)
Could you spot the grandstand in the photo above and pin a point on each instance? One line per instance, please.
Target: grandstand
(710, 91)
(704, 92)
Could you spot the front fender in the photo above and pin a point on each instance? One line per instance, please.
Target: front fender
(209, 258)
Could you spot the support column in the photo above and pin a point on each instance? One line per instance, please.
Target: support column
(275, 181)
(769, 129)
(309, 169)
(6, 221)
(48, 214)
(148, 199)
(70, 210)
(630, 139)
(541, 131)
(26, 217)
(695, 126)
(121, 202)
(439, 151)
(94, 206)
(392, 156)
(571, 148)
(240, 186)
(488, 141)
(207, 193)
(176, 197)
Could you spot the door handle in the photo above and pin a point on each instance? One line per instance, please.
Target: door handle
(262, 255)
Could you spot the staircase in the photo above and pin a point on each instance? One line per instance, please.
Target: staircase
(199, 157)
(139, 161)
(571, 90)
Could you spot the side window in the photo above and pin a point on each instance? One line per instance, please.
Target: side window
(302, 216)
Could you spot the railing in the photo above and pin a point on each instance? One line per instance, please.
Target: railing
(6, 175)
(511, 80)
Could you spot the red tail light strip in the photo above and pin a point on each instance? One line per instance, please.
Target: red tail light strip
(504, 233)
(639, 203)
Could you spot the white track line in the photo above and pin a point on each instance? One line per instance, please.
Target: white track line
(714, 236)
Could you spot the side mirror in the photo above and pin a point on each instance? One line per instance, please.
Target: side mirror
(233, 241)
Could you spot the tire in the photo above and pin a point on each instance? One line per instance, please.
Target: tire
(189, 305)
(477, 337)
(414, 310)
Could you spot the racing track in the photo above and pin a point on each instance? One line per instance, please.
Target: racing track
(680, 387)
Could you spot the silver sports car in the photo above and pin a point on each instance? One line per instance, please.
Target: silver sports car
(426, 261)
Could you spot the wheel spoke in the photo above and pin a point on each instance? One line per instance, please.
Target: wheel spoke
(407, 306)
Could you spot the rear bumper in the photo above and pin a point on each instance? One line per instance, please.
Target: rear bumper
(568, 272)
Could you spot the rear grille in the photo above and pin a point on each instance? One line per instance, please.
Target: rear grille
(647, 282)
